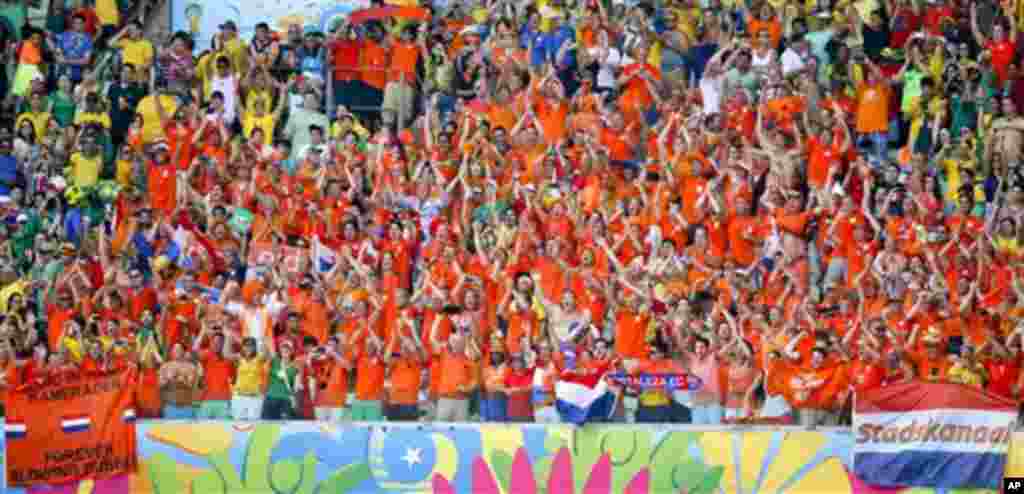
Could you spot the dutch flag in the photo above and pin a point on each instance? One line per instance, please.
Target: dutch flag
(934, 434)
(129, 415)
(78, 423)
(15, 430)
(583, 398)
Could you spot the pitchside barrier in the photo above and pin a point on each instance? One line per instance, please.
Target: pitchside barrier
(318, 457)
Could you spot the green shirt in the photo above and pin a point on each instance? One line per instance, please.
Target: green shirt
(63, 108)
(282, 379)
(735, 80)
(25, 237)
(911, 88)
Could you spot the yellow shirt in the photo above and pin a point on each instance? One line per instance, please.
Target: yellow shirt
(39, 120)
(254, 95)
(338, 130)
(74, 348)
(970, 376)
(250, 378)
(136, 52)
(83, 118)
(1007, 244)
(548, 15)
(205, 70)
(108, 12)
(687, 19)
(124, 172)
(954, 183)
(237, 52)
(266, 123)
(85, 171)
(151, 127)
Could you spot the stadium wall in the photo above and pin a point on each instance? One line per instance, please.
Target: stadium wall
(315, 458)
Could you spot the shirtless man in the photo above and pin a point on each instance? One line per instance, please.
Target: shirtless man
(1007, 134)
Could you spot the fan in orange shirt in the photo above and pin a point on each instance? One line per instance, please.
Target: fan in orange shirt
(494, 401)
(406, 359)
(329, 383)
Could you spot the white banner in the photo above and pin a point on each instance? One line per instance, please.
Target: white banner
(203, 19)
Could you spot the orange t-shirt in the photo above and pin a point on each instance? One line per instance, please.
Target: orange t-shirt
(455, 371)
(406, 376)
(56, 318)
(163, 187)
(370, 379)
(553, 116)
(741, 250)
(30, 54)
(220, 372)
(404, 57)
(774, 28)
(821, 160)
(335, 387)
(180, 136)
(631, 334)
(873, 108)
(494, 377)
(374, 64)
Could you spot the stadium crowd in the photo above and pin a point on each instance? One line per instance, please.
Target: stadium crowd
(434, 212)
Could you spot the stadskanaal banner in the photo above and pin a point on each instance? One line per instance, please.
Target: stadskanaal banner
(71, 428)
(932, 435)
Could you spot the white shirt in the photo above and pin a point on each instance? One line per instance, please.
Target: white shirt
(606, 68)
(758, 61)
(256, 317)
(711, 88)
(320, 149)
(227, 86)
(295, 102)
(792, 62)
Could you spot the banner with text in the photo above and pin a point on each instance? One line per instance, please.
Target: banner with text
(932, 435)
(71, 428)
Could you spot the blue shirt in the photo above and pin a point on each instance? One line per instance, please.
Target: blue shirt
(8, 173)
(75, 45)
(700, 55)
(546, 45)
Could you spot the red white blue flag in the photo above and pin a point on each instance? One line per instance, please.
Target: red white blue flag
(932, 435)
(584, 397)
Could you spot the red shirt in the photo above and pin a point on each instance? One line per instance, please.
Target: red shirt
(219, 373)
(518, 379)
(867, 375)
(933, 18)
(906, 22)
(92, 21)
(1002, 55)
(345, 56)
(1002, 376)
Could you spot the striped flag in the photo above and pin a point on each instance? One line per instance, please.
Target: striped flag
(323, 257)
(581, 398)
(15, 430)
(932, 434)
(79, 423)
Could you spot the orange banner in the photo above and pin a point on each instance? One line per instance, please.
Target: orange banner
(71, 428)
